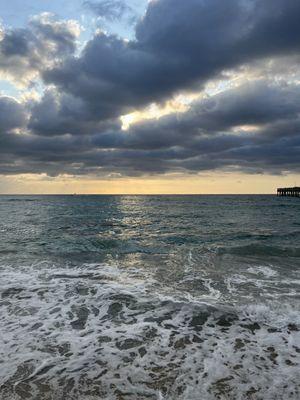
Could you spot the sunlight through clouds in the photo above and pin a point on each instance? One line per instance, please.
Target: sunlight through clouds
(149, 89)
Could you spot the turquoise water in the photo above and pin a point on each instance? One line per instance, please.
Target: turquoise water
(149, 297)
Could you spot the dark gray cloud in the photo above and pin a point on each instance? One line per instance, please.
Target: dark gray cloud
(273, 109)
(109, 9)
(210, 135)
(60, 114)
(12, 114)
(180, 45)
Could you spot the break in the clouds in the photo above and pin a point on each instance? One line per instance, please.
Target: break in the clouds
(179, 47)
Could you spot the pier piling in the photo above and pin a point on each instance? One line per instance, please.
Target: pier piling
(291, 191)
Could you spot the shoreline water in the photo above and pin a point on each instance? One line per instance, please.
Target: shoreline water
(147, 298)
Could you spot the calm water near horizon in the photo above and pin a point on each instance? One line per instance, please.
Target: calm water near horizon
(149, 297)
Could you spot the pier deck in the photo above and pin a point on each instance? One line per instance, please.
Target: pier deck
(291, 191)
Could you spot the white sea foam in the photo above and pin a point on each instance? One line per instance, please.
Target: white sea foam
(264, 270)
(99, 331)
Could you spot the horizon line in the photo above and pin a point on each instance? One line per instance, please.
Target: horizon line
(137, 194)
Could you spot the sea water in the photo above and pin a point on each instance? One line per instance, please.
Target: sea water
(149, 297)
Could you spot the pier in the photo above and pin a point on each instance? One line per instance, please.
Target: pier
(291, 191)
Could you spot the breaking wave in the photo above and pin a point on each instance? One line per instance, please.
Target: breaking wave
(98, 331)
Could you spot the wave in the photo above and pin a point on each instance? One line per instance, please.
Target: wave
(100, 331)
(256, 249)
(18, 200)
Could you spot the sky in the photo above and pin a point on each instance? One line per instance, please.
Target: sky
(160, 96)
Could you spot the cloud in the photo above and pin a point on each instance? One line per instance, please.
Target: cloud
(25, 53)
(111, 10)
(210, 135)
(12, 115)
(74, 128)
(61, 114)
(179, 46)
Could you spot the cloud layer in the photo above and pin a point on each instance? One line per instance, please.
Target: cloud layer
(75, 127)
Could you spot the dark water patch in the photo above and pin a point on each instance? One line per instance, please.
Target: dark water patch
(261, 250)
(20, 199)
(11, 292)
(82, 314)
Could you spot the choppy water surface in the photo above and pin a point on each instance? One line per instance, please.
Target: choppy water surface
(155, 297)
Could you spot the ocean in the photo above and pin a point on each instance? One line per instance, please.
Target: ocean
(149, 297)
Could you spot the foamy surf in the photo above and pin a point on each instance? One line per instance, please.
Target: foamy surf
(99, 331)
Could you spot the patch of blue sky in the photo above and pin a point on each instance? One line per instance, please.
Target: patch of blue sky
(8, 89)
(16, 13)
